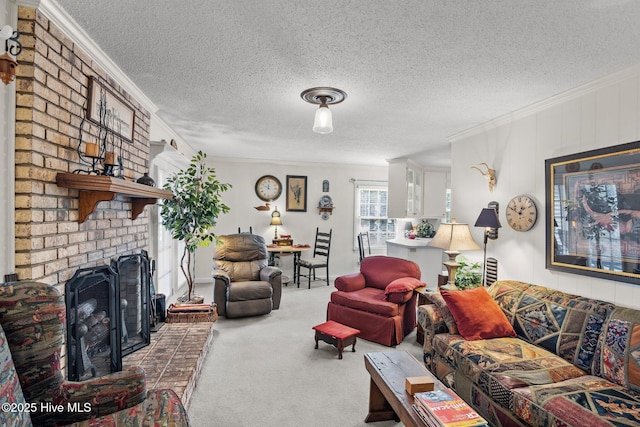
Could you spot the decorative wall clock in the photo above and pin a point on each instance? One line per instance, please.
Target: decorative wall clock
(268, 188)
(522, 213)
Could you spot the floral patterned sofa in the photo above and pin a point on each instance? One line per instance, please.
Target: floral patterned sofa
(32, 386)
(574, 362)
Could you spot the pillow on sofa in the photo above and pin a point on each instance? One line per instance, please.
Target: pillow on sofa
(438, 301)
(616, 357)
(399, 290)
(477, 315)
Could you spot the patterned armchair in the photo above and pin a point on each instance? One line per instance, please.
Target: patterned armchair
(32, 321)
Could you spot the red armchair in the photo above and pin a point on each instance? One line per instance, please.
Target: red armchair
(379, 300)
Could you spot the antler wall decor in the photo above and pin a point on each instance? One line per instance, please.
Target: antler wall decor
(490, 174)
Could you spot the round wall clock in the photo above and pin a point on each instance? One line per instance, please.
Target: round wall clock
(522, 213)
(268, 188)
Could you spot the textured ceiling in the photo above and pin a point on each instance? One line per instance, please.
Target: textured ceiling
(227, 75)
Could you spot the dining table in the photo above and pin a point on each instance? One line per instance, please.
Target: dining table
(295, 250)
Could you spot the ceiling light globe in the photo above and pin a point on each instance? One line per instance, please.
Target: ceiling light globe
(323, 122)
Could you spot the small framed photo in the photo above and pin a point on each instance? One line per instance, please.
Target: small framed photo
(296, 193)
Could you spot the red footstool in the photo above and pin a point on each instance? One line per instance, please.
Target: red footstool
(336, 334)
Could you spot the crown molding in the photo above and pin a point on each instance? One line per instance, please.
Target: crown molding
(33, 4)
(160, 130)
(562, 97)
(79, 36)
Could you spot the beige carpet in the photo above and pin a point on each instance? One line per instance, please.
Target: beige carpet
(264, 371)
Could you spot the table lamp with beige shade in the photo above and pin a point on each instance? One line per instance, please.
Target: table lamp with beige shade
(453, 237)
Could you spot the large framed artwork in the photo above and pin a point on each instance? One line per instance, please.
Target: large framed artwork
(107, 110)
(593, 213)
(296, 193)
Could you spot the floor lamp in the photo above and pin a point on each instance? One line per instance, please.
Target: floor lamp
(488, 218)
(453, 237)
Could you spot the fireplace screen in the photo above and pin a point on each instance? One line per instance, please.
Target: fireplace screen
(133, 271)
(93, 335)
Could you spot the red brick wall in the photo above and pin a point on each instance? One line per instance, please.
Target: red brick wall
(52, 87)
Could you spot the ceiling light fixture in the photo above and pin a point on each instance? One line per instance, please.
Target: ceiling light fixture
(324, 96)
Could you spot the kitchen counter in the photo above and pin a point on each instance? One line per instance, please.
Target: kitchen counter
(411, 243)
(428, 258)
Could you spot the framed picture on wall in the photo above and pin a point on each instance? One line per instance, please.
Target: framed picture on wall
(296, 193)
(593, 213)
(106, 109)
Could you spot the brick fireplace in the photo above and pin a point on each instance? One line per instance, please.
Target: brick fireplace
(52, 90)
(51, 100)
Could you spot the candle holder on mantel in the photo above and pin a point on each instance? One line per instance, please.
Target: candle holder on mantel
(103, 157)
(109, 163)
(90, 154)
(89, 157)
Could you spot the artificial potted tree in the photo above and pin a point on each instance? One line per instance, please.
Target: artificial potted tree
(193, 211)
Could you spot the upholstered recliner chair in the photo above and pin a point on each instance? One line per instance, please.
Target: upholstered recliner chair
(244, 283)
(379, 300)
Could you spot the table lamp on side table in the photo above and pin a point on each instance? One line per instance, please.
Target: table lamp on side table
(275, 220)
(453, 237)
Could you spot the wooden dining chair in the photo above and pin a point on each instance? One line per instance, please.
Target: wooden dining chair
(320, 258)
(363, 239)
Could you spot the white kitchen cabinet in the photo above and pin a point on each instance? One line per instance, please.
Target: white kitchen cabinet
(405, 189)
(435, 194)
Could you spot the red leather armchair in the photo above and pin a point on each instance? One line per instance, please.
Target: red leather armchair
(379, 300)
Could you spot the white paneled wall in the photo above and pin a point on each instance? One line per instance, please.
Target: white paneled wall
(596, 115)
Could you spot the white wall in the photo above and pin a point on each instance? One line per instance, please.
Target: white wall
(301, 225)
(600, 114)
(8, 16)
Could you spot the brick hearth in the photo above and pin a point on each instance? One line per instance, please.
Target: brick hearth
(175, 356)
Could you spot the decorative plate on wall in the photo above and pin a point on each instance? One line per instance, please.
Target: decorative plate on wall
(325, 202)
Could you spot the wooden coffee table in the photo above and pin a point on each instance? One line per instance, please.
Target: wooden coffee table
(336, 334)
(388, 399)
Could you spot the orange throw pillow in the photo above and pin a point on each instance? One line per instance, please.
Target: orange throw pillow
(477, 315)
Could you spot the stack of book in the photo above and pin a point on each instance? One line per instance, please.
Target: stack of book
(443, 408)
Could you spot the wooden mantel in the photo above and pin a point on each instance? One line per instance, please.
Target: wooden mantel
(94, 189)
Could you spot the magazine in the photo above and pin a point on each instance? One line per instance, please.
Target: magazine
(444, 408)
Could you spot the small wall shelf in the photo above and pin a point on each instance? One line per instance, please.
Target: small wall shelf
(94, 189)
